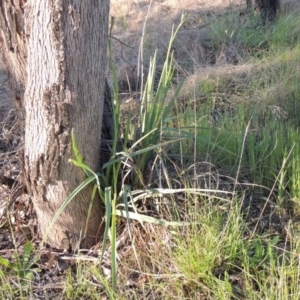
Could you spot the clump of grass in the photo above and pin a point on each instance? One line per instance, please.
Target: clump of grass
(267, 100)
(245, 33)
(217, 260)
(286, 32)
(208, 253)
(248, 34)
(258, 153)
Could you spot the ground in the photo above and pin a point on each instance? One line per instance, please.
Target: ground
(143, 27)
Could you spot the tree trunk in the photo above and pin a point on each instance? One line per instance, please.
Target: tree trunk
(55, 52)
(267, 8)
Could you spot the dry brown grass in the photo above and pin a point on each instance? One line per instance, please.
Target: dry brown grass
(192, 46)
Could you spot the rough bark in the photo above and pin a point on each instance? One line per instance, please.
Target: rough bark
(55, 52)
(267, 8)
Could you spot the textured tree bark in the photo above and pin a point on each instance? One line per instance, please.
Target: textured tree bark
(55, 52)
(267, 8)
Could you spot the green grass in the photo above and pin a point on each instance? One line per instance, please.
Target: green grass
(219, 218)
